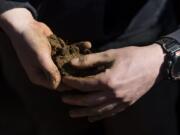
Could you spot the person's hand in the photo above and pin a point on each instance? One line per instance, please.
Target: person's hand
(29, 39)
(134, 71)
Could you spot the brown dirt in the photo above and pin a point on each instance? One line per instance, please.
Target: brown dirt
(63, 53)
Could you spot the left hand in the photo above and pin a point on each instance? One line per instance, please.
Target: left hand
(134, 71)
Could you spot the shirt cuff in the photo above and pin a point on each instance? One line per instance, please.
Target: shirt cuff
(175, 35)
(7, 5)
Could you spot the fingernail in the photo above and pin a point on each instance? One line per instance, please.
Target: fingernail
(87, 45)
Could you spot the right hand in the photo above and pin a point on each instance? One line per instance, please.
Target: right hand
(29, 39)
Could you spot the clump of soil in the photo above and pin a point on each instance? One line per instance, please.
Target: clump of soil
(62, 54)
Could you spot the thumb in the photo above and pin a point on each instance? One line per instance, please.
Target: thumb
(45, 73)
(46, 30)
(51, 72)
(83, 45)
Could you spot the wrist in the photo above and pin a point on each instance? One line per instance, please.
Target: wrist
(15, 20)
(160, 52)
(160, 57)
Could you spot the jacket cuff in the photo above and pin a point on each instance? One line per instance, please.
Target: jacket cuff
(7, 5)
(175, 35)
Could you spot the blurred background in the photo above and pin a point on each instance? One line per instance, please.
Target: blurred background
(14, 120)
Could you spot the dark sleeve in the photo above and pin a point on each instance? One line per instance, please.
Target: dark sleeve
(10, 4)
(175, 35)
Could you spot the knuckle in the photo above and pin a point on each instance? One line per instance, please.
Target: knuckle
(123, 98)
(111, 82)
(107, 81)
(83, 59)
(119, 95)
(102, 81)
(55, 74)
(105, 54)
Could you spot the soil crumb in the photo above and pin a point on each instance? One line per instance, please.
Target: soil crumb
(62, 54)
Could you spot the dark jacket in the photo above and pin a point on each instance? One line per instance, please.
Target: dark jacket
(104, 20)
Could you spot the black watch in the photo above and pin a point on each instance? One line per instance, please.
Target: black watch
(172, 48)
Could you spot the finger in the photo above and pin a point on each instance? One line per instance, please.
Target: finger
(51, 72)
(46, 30)
(86, 84)
(92, 60)
(83, 45)
(111, 113)
(63, 87)
(92, 99)
(93, 111)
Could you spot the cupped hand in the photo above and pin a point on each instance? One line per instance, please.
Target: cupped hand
(29, 39)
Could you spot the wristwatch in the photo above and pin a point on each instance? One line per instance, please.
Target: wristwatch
(172, 49)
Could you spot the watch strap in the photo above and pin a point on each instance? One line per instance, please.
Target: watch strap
(170, 47)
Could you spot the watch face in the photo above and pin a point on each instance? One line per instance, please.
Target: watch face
(175, 72)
